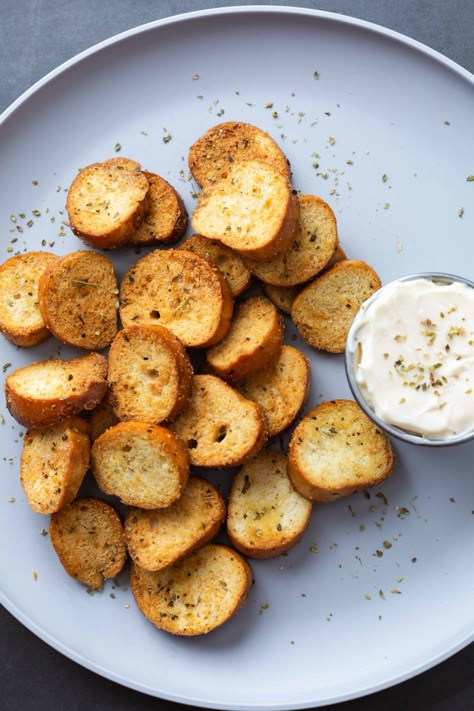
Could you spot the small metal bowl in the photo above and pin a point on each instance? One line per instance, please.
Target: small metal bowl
(351, 352)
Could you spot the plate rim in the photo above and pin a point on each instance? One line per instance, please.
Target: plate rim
(71, 654)
(339, 19)
(237, 9)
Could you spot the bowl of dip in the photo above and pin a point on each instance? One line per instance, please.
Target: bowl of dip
(410, 358)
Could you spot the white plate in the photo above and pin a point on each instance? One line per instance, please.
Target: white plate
(392, 107)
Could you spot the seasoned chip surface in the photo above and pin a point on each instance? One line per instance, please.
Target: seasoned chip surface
(21, 321)
(195, 595)
(165, 218)
(158, 537)
(149, 374)
(224, 258)
(313, 245)
(78, 299)
(252, 210)
(267, 516)
(179, 290)
(253, 342)
(40, 394)
(219, 426)
(324, 310)
(88, 538)
(142, 464)
(211, 155)
(54, 461)
(280, 389)
(337, 450)
(107, 202)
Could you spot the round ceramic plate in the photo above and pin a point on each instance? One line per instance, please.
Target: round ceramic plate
(381, 586)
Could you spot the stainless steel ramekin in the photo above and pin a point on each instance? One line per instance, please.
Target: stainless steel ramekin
(351, 355)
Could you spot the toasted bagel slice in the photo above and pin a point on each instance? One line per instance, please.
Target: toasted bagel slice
(280, 390)
(266, 515)
(43, 393)
(227, 143)
(227, 260)
(78, 298)
(282, 296)
(196, 594)
(88, 538)
(149, 374)
(336, 450)
(181, 291)
(252, 210)
(21, 321)
(324, 310)
(219, 426)
(53, 464)
(165, 219)
(157, 538)
(143, 465)
(253, 342)
(313, 245)
(107, 202)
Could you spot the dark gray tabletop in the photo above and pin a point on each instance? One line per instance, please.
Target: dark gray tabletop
(35, 37)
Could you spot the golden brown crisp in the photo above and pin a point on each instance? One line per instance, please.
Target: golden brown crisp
(143, 465)
(78, 298)
(282, 296)
(158, 537)
(324, 310)
(313, 245)
(21, 321)
(181, 291)
(211, 155)
(337, 450)
(196, 594)
(149, 374)
(252, 343)
(88, 538)
(339, 255)
(227, 260)
(252, 210)
(266, 516)
(102, 417)
(166, 218)
(280, 390)
(219, 426)
(43, 393)
(107, 202)
(53, 464)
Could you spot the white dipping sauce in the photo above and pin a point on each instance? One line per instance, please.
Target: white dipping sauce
(415, 356)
